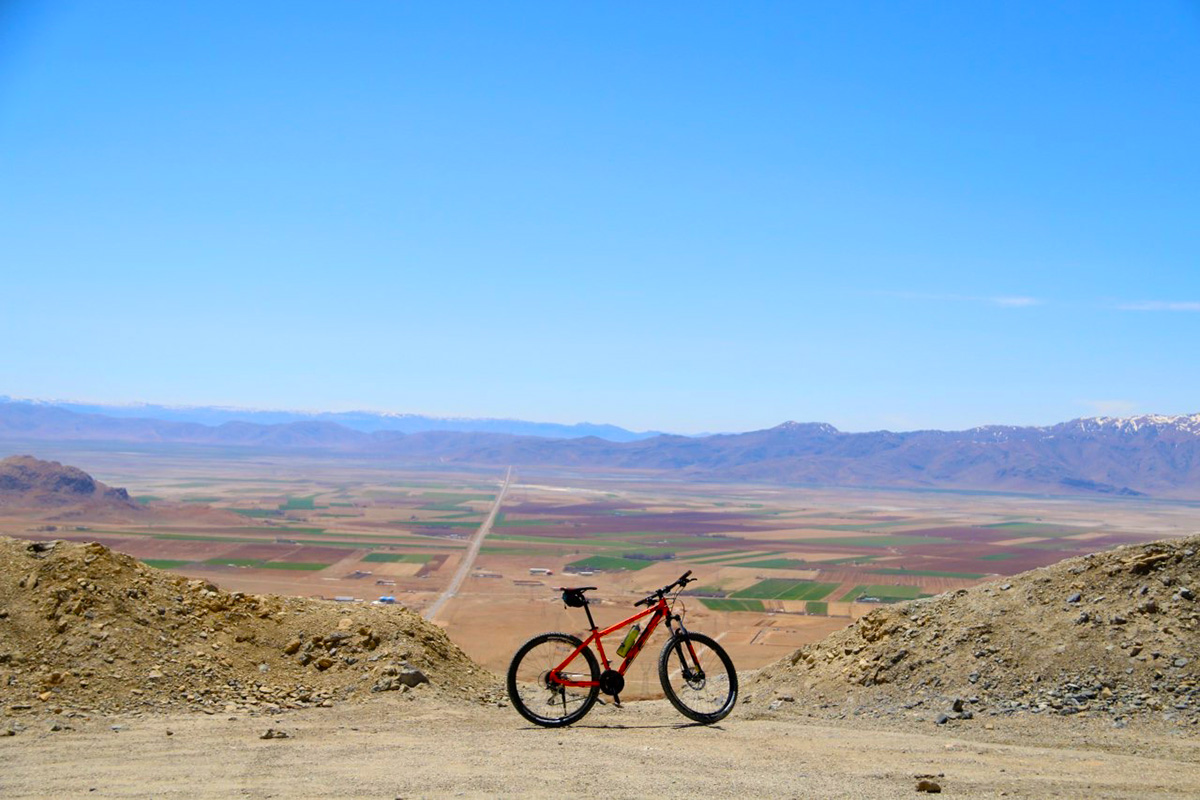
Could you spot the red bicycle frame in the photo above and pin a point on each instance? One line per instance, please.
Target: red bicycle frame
(659, 610)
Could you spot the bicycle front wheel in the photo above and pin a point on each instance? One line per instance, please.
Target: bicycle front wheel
(698, 677)
(542, 700)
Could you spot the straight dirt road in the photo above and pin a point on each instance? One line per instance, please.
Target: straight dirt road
(468, 559)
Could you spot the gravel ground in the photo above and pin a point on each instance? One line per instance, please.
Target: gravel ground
(422, 745)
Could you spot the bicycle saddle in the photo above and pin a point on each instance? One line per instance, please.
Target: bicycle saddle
(573, 595)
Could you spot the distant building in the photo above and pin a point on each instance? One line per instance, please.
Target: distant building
(540, 571)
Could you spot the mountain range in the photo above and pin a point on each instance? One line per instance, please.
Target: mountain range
(1145, 455)
(365, 421)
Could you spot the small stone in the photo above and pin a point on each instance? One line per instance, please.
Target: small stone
(926, 785)
(324, 663)
(412, 677)
(272, 733)
(1075, 598)
(1180, 662)
(292, 647)
(942, 719)
(957, 705)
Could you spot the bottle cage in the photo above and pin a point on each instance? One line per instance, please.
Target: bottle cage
(574, 598)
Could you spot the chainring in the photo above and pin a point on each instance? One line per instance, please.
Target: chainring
(611, 682)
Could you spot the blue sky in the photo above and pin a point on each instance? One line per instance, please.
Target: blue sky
(691, 217)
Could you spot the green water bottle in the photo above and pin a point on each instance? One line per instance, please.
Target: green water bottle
(630, 638)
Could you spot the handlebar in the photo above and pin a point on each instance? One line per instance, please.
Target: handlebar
(654, 596)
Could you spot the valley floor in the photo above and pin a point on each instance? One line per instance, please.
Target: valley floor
(394, 746)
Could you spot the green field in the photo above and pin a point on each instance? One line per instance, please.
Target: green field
(927, 573)
(146, 499)
(610, 563)
(258, 563)
(883, 540)
(783, 589)
(299, 504)
(998, 556)
(817, 608)
(164, 563)
(234, 562)
(734, 555)
(886, 593)
(255, 512)
(718, 604)
(403, 558)
(776, 563)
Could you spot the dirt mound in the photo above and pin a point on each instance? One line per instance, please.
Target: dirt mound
(84, 628)
(1113, 634)
(28, 482)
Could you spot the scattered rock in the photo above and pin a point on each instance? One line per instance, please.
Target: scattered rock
(273, 733)
(926, 785)
(102, 631)
(1016, 649)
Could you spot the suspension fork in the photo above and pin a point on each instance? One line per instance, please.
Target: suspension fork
(688, 660)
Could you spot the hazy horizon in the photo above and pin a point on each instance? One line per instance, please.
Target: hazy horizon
(137, 405)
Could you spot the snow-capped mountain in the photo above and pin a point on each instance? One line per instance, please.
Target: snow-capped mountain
(1146, 455)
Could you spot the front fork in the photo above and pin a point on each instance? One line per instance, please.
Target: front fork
(689, 665)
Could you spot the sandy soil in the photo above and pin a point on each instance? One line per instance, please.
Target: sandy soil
(425, 747)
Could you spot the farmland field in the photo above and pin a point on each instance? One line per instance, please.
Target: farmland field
(779, 566)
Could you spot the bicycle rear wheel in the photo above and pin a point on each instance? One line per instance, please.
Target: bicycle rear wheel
(545, 702)
(698, 677)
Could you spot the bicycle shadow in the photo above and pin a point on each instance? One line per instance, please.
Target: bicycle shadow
(631, 727)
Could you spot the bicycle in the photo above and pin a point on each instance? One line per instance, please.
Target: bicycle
(554, 678)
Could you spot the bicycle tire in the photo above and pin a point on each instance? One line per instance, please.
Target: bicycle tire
(529, 691)
(707, 697)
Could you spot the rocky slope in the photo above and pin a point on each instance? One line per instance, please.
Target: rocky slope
(1113, 634)
(84, 628)
(28, 482)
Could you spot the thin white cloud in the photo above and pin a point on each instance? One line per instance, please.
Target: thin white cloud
(1112, 408)
(1015, 302)
(1160, 305)
(1002, 301)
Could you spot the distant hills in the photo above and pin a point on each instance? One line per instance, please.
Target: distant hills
(27, 482)
(1120, 457)
(364, 421)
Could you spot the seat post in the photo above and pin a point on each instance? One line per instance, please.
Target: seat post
(587, 607)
